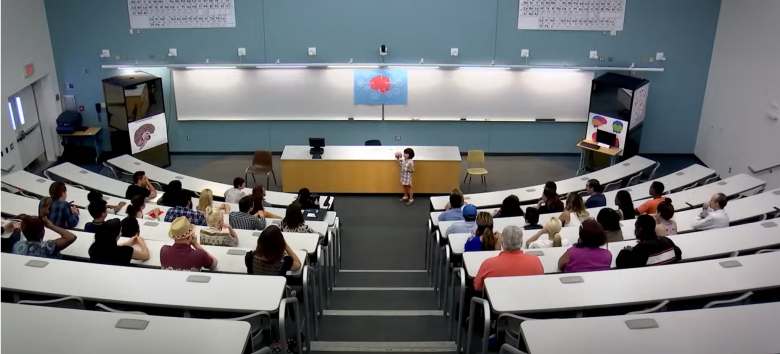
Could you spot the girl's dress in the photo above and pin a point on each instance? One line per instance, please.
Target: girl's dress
(407, 167)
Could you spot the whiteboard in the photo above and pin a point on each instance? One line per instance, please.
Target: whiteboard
(495, 95)
(434, 94)
(579, 15)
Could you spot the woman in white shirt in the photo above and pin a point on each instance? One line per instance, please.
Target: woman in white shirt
(552, 233)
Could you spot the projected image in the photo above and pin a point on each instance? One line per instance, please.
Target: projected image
(148, 133)
(383, 86)
(615, 129)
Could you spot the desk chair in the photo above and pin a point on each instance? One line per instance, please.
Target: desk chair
(373, 142)
(262, 162)
(475, 166)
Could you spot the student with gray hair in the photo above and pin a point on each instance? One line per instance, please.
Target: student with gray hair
(512, 261)
(712, 215)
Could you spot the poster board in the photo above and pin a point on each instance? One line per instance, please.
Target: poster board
(150, 14)
(608, 124)
(639, 106)
(580, 15)
(147, 133)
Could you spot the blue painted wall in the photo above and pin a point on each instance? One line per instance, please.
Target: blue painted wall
(484, 30)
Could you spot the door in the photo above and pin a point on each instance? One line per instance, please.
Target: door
(23, 112)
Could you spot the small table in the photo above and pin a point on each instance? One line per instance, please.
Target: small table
(586, 146)
(90, 132)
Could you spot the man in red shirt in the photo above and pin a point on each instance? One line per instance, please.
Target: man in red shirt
(511, 261)
(185, 253)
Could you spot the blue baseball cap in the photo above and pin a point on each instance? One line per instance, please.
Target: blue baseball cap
(469, 211)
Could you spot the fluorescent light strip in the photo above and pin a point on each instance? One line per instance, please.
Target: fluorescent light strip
(353, 66)
(413, 67)
(483, 68)
(20, 110)
(272, 66)
(11, 110)
(553, 70)
(210, 67)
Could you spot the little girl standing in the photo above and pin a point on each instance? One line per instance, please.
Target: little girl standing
(407, 168)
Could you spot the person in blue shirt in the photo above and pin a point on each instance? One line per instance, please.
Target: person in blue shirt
(33, 229)
(483, 239)
(456, 203)
(468, 225)
(596, 192)
(61, 212)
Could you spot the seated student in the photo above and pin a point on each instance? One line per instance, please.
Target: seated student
(99, 213)
(550, 202)
(293, 220)
(182, 208)
(610, 222)
(33, 243)
(15, 229)
(651, 206)
(484, 238)
(206, 203)
(106, 250)
(453, 211)
(97, 197)
(587, 255)
(511, 261)
(273, 256)
(61, 212)
(134, 211)
(306, 199)
(650, 249)
(217, 233)
(141, 186)
(186, 253)
(596, 192)
(665, 224)
(173, 193)
(574, 205)
(259, 204)
(532, 219)
(510, 206)
(233, 195)
(625, 205)
(468, 225)
(242, 219)
(712, 215)
(553, 231)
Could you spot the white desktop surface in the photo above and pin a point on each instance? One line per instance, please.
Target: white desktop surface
(78, 175)
(38, 329)
(689, 175)
(734, 329)
(373, 153)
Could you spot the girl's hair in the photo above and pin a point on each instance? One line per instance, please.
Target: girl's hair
(270, 244)
(511, 206)
(644, 228)
(551, 186)
(553, 228)
(625, 204)
(575, 204)
(485, 230)
(56, 189)
(609, 219)
(205, 200)
(409, 152)
(293, 217)
(135, 206)
(666, 209)
(215, 218)
(258, 196)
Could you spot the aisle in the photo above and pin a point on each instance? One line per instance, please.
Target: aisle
(383, 299)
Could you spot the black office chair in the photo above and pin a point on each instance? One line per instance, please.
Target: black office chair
(373, 142)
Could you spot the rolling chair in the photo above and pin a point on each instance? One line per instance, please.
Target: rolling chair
(262, 162)
(475, 166)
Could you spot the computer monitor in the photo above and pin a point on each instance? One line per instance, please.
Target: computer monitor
(607, 138)
(316, 145)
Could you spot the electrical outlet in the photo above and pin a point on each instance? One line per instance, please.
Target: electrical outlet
(105, 53)
(173, 52)
(242, 52)
(594, 54)
(188, 138)
(525, 53)
(397, 138)
(454, 52)
(312, 51)
(659, 56)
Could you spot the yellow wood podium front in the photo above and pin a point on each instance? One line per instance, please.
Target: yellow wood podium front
(369, 169)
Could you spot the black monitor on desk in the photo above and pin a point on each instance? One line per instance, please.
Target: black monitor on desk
(317, 145)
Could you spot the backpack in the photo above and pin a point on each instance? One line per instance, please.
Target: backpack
(69, 122)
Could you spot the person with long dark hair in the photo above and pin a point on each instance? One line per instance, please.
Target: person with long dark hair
(510, 206)
(625, 205)
(293, 220)
(259, 204)
(106, 250)
(650, 248)
(273, 256)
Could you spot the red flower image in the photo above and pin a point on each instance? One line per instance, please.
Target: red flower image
(380, 83)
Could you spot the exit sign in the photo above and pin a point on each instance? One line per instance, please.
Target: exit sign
(29, 69)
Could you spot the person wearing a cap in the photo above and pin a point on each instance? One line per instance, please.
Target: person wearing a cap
(469, 223)
(106, 250)
(185, 253)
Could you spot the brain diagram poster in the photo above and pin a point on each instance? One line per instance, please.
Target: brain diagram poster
(147, 133)
(381, 86)
(608, 124)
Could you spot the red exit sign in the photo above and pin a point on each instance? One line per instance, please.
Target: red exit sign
(29, 69)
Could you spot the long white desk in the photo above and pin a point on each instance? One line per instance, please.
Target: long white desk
(369, 169)
(159, 174)
(89, 179)
(142, 286)
(38, 329)
(696, 245)
(673, 181)
(630, 167)
(730, 186)
(39, 186)
(734, 329)
(330, 216)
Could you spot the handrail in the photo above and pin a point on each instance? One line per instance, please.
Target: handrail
(754, 171)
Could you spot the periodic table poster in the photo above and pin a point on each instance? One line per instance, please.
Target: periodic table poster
(572, 15)
(146, 14)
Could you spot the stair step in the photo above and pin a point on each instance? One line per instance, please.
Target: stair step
(383, 313)
(384, 328)
(383, 300)
(406, 347)
(386, 278)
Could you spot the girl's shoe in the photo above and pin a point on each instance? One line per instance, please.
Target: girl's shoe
(409, 202)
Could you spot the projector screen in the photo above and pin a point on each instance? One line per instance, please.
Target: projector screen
(147, 133)
(433, 94)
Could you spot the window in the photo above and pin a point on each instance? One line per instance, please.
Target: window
(16, 111)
